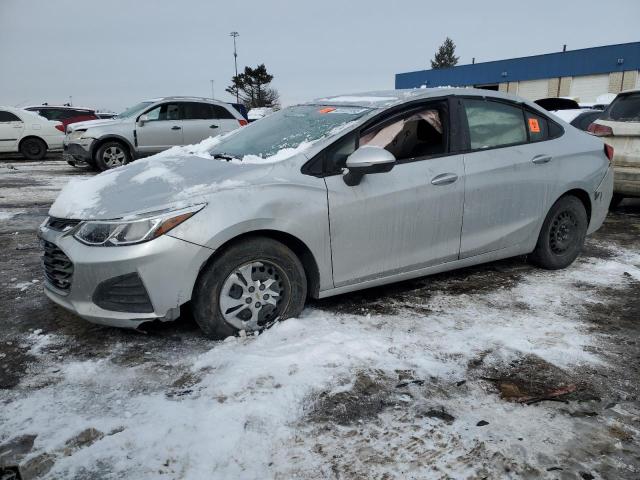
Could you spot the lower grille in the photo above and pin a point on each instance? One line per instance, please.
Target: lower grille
(58, 269)
(124, 293)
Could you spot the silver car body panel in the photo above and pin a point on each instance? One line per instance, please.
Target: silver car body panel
(392, 226)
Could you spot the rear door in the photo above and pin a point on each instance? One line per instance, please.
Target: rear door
(507, 178)
(11, 128)
(405, 219)
(163, 129)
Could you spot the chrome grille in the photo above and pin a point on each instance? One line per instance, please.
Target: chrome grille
(58, 269)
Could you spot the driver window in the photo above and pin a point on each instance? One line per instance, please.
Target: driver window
(168, 111)
(418, 134)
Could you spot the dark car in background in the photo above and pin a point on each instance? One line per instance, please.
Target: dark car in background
(64, 114)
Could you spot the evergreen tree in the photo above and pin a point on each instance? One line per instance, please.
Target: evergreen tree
(445, 56)
(252, 87)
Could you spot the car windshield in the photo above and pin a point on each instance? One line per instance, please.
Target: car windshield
(130, 112)
(625, 108)
(288, 128)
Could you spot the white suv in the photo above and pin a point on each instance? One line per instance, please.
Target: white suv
(148, 128)
(28, 133)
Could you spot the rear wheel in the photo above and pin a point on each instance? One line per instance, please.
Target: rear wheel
(111, 155)
(562, 235)
(248, 287)
(33, 148)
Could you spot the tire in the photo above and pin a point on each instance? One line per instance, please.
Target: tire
(616, 199)
(33, 148)
(279, 288)
(562, 234)
(111, 154)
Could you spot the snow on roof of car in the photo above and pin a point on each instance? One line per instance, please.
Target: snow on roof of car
(387, 98)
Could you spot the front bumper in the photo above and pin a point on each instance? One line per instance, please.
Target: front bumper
(167, 266)
(77, 153)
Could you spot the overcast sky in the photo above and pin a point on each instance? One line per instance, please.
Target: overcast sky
(111, 54)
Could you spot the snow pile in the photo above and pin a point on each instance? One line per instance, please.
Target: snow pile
(239, 408)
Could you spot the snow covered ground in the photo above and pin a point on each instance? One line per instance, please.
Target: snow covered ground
(499, 371)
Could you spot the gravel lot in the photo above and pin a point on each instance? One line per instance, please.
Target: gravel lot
(497, 371)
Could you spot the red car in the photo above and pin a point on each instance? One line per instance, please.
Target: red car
(65, 114)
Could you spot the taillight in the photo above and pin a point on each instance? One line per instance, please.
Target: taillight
(243, 123)
(608, 151)
(60, 127)
(600, 130)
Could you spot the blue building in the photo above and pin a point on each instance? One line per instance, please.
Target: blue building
(582, 74)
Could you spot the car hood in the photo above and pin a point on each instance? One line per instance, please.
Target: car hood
(152, 184)
(94, 123)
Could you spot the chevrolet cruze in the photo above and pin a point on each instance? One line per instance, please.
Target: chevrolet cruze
(324, 198)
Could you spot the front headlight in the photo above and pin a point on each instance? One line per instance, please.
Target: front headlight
(78, 135)
(113, 233)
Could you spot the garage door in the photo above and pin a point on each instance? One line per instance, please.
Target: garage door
(586, 88)
(533, 89)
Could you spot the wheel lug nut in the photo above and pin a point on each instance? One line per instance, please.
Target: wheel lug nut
(248, 300)
(261, 287)
(266, 296)
(257, 304)
(252, 289)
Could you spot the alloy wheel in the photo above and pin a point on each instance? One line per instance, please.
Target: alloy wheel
(114, 157)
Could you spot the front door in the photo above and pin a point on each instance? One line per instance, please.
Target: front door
(162, 130)
(405, 219)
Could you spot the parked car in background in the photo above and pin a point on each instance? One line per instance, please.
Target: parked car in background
(260, 112)
(570, 111)
(103, 115)
(147, 128)
(619, 126)
(64, 114)
(28, 133)
(325, 198)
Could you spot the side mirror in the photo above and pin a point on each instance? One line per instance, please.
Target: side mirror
(366, 160)
(143, 119)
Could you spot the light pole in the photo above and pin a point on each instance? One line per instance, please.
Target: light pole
(235, 60)
(212, 95)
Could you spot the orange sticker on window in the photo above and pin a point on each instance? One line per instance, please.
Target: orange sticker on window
(327, 109)
(534, 126)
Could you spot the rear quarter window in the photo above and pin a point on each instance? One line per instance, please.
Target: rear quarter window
(625, 108)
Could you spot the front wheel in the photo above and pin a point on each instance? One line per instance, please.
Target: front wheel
(111, 155)
(562, 235)
(248, 287)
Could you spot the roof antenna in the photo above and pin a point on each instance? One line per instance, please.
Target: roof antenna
(564, 47)
(473, 61)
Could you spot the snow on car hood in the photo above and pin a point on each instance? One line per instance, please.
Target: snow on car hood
(152, 184)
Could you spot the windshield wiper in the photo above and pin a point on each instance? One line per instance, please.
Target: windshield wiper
(224, 156)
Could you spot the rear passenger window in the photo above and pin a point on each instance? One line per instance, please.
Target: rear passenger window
(8, 117)
(221, 113)
(494, 124)
(197, 111)
(538, 127)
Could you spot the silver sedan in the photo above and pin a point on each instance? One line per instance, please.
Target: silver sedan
(324, 198)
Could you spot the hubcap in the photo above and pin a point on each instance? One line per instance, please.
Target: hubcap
(251, 296)
(113, 157)
(564, 230)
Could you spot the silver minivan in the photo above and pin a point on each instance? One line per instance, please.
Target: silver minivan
(148, 128)
(325, 198)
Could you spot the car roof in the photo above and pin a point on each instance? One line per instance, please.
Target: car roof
(186, 98)
(62, 107)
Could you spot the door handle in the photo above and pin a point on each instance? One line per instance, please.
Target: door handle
(213, 126)
(540, 159)
(175, 127)
(444, 179)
